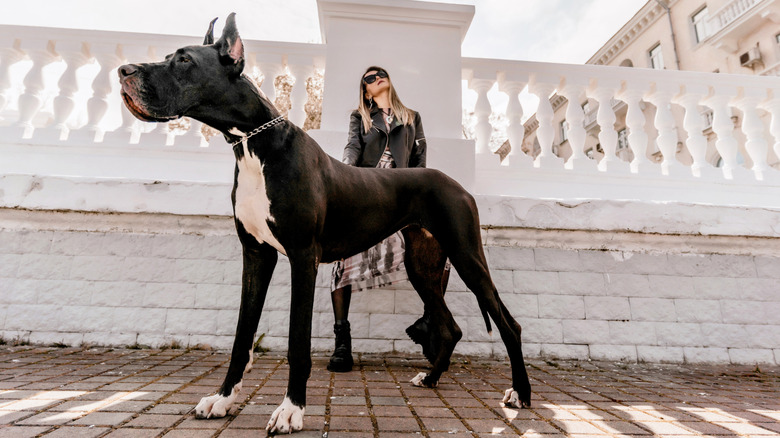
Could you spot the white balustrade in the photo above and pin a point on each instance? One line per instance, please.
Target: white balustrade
(543, 88)
(75, 56)
(512, 85)
(270, 66)
(301, 69)
(723, 125)
(603, 91)
(753, 128)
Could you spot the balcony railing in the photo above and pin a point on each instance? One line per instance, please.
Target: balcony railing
(61, 115)
(729, 13)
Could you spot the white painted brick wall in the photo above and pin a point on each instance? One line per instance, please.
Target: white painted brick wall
(156, 287)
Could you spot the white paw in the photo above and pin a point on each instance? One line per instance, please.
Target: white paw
(287, 418)
(216, 406)
(511, 399)
(418, 380)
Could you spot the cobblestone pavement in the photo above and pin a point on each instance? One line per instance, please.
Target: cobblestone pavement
(76, 392)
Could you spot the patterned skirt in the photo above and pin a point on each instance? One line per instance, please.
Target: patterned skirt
(379, 266)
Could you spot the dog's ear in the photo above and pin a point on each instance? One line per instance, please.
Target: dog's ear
(209, 39)
(230, 46)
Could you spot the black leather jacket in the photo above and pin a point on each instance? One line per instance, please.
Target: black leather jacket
(406, 142)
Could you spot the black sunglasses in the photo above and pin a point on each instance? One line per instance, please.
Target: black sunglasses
(370, 79)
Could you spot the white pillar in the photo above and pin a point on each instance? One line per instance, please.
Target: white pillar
(632, 94)
(270, 66)
(42, 53)
(694, 124)
(661, 97)
(300, 68)
(512, 85)
(723, 126)
(75, 56)
(544, 114)
(755, 145)
(482, 111)
(773, 107)
(574, 91)
(603, 92)
(9, 55)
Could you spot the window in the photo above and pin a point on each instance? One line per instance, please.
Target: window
(564, 130)
(656, 57)
(622, 139)
(699, 22)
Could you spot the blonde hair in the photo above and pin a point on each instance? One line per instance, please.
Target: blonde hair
(399, 109)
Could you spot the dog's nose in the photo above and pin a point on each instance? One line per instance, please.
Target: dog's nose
(127, 70)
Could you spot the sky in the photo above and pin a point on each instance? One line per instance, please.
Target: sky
(566, 31)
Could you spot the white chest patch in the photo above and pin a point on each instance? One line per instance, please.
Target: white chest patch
(253, 208)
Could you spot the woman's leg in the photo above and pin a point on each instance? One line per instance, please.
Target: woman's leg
(341, 360)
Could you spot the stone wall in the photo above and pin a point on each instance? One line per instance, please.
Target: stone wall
(153, 279)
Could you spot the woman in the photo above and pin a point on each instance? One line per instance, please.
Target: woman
(383, 133)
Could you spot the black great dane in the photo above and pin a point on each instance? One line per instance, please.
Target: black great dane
(289, 196)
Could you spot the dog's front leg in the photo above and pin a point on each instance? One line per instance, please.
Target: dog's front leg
(259, 263)
(288, 417)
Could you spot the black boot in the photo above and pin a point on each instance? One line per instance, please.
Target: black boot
(341, 360)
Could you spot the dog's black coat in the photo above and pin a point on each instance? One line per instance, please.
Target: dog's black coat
(322, 210)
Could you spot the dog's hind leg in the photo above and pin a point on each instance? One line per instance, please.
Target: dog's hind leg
(425, 266)
(474, 272)
(259, 263)
(288, 417)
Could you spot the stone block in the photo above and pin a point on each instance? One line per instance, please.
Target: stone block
(607, 308)
(581, 283)
(56, 337)
(9, 264)
(33, 317)
(677, 334)
(63, 292)
(536, 282)
(227, 321)
(750, 312)
(706, 355)
(199, 271)
(179, 246)
(668, 286)
(103, 268)
(652, 309)
(557, 260)
(115, 293)
(215, 342)
(474, 329)
(388, 325)
(23, 291)
(478, 349)
(725, 335)
(282, 275)
(461, 303)
(619, 353)
(627, 285)
(561, 306)
(520, 305)
(44, 266)
(87, 319)
(278, 322)
(106, 338)
(756, 289)
(278, 298)
(717, 288)
(698, 310)
(217, 296)
(749, 356)
(767, 267)
(548, 331)
(408, 303)
(147, 269)
(762, 336)
(585, 332)
(707, 265)
(140, 319)
(371, 345)
(34, 242)
(654, 354)
(564, 351)
(632, 332)
(455, 283)
(233, 271)
(510, 258)
(169, 295)
(503, 280)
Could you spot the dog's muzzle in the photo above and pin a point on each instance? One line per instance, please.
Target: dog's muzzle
(129, 78)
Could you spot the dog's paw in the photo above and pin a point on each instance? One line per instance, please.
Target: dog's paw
(512, 400)
(422, 380)
(216, 406)
(287, 418)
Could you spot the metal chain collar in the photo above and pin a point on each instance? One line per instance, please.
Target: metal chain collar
(259, 129)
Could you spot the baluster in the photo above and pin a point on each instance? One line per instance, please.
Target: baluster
(753, 128)
(605, 117)
(482, 111)
(723, 126)
(661, 97)
(545, 131)
(75, 55)
(694, 124)
(108, 56)
(42, 54)
(514, 113)
(300, 69)
(632, 93)
(773, 107)
(9, 56)
(271, 66)
(192, 138)
(574, 91)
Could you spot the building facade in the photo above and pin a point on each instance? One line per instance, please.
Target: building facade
(721, 36)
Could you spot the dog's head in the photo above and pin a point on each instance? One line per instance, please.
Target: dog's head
(187, 81)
